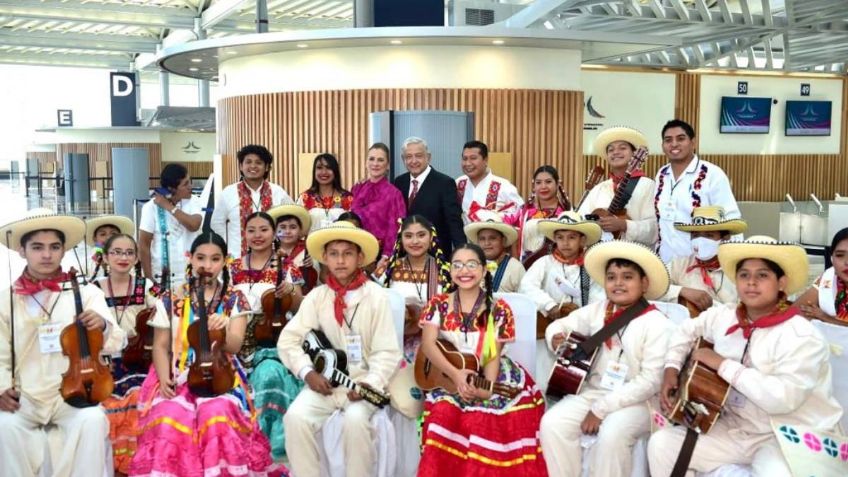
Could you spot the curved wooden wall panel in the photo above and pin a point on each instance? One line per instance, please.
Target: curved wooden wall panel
(687, 102)
(536, 126)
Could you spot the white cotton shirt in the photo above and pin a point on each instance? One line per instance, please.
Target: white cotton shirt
(507, 193)
(641, 222)
(546, 279)
(724, 290)
(179, 238)
(226, 221)
(676, 203)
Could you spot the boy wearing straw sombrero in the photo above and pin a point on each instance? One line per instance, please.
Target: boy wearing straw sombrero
(489, 231)
(697, 281)
(42, 305)
(354, 314)
(774, 359)
(97, 232)
(629, 337)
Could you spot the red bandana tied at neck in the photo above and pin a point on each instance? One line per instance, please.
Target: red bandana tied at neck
(782, 313)
(710, 265)
(566, 261)
(616, 180)
(609, 317)
(27, 285)
(339, 304)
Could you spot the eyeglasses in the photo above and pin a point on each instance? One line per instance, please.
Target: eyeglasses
(122, 253)
(470, 265)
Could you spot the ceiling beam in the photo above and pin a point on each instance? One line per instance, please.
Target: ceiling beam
(77, 61)
(220, 11)
(536, 11)
(80, 41)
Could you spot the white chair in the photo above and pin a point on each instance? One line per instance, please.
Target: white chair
(398, 305)
(675, 312)
(53, 446)
(523, 350)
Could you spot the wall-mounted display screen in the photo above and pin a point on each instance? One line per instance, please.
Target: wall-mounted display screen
(741, 114)
(808, 118)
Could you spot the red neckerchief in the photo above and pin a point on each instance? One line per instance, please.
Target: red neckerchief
(339, 304)
(781, 313)
(246, 205)
(710, 265)
(575, 261)
(27, 285)
(288, 260)
(609, 317)
(616, 180)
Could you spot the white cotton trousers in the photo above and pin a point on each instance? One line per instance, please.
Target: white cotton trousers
(85, 433)
(305, 418)
(716, 448)
(610, 455)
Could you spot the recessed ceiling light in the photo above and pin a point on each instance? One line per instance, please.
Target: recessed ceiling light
(302, 45)
(231, 52)
(497, 42)
(193, 69)
(197, 60)
(396, 42)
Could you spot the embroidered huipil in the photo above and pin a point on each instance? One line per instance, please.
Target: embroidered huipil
(325, 210)
(491, 189)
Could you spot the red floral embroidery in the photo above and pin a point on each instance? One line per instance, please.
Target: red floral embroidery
(451, 321)
(246, 206)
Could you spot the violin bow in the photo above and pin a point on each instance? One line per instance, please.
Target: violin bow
(11, 307)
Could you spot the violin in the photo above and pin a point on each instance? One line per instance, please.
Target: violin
(88, 380)
(139, 350)
(274, 309)
(211, 374)
(310, 275)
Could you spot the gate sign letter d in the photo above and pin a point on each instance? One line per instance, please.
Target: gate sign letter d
(123, 94)
(121, 86)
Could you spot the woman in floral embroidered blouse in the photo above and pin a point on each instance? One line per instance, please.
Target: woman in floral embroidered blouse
(472, 431)
(325, 199)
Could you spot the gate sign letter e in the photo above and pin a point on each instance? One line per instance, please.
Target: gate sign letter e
(123, 93)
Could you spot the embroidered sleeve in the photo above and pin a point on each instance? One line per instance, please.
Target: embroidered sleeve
(347, 200)
(505, 321)
(433, 312)
(296, 276)
(236, 304)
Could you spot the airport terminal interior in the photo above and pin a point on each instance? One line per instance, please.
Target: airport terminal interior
(506, 174)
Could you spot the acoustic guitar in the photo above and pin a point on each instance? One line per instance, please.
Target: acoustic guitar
(571, 368)
(701, 394)
(543, 321)
(429, 377)
(691, 307)
(622, 193)
(596, 175)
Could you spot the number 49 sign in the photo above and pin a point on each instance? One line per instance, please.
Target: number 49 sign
(805, 89)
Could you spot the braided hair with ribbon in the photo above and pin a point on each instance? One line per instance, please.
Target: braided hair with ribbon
(398, 253)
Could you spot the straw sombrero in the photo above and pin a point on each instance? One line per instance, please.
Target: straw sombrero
(43, 219)
(291, 209)
(490, 219)
(789, 256)
(712, 219)
(125, 225)
(571, 221)
(598, 256)
(618, 133)
(317, 240)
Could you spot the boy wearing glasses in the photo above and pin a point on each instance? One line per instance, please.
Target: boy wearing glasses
(354, 314)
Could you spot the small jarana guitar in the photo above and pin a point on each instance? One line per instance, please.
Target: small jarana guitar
(429, 377)
(700, 396)
(571, 368)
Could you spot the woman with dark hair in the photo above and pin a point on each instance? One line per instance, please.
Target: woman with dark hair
(325, 199)
(548, 201)
(378, 202)
(473, 431)
(183, 433)
(827, 299)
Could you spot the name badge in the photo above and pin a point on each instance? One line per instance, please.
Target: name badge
(668, 211)
(614, 376)
(735, 398)
(48, 338)
(353, 343)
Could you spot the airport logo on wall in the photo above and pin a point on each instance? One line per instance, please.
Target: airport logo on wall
(191, 148)
(590, 111)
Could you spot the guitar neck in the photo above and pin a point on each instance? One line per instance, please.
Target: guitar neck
(482, 383)
(371, 396)
(619, 200)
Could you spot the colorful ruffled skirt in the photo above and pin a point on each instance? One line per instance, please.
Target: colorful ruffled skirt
(274, 389)
(492, 438)
(121, 409)
(188, 436)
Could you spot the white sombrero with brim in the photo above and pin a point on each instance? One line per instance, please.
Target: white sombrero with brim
(490, 219)
(125, 225)
(317, 240)
(598, 257)
(43, 219)
(618, 133)
(571, 221)
(294, 210)
(711, 218)
(789, 256)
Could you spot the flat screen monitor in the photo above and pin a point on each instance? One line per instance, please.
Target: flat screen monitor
(808, 118)
(744, 115)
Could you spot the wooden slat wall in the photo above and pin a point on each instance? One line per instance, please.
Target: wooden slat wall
(536, 126)
(103, 152)
(46, 159)
(687, 100)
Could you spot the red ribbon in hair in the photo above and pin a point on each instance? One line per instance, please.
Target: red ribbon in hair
(339, 304)
(27, 285)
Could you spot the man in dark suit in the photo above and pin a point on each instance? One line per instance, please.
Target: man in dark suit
(430, 193)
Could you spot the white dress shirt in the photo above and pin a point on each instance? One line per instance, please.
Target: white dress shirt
(507, 193)
(226, 221)
(676, 203)
(421, 178)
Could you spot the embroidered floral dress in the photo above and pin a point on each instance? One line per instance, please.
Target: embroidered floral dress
(274, 386)
(527, 221)
(325, 210)
(495, 437)
(188, 435)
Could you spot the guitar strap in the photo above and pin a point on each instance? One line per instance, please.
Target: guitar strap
(681, 466)
(584, 286)
(612, 327)
(629, 188)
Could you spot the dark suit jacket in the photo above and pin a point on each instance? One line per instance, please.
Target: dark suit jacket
(436, 200)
